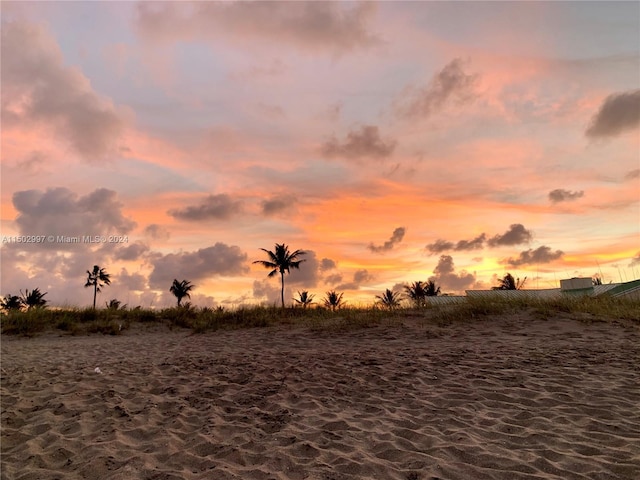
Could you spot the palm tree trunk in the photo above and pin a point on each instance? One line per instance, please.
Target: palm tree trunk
(282, 289)
(95, 292)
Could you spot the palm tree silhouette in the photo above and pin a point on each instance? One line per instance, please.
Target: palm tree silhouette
(333, 300)
(281, 261)
(115, 304)
(509, 283)
(97, 279)
(33, 299)
(304, 299)
(10, 303)
(389, 299)
(417, 293)
(181, 289)
(431, 289)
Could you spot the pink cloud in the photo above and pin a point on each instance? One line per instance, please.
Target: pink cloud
(38, 89)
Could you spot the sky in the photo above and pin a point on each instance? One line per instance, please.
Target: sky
(392, 142)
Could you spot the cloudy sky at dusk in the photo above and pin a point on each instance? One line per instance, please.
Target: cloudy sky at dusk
(392, 141)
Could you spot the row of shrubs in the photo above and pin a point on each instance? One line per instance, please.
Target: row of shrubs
(116, 321)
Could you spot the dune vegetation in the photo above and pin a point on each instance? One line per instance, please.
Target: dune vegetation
(118, 319)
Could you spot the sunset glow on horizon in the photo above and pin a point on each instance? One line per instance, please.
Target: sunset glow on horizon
(392, 142)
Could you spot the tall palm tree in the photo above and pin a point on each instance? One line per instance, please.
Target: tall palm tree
(417, 293)
(33, 299)
(11, 303)
(181, 289)
(333, 300)
(389, 299)
(97, 278)
(431, 289)
(281, 261)
(304, 299)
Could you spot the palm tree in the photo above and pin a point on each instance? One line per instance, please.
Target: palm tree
(304, 299)
(431, 290)
(11, 303)
(416, 292)
(181, 289)
(389, 299)
(509, 283)
(33, 299)
(333, 300)
(97, 279)
(281, 261)
(115, 304)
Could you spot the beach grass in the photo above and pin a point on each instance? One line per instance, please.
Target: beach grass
(81, 321)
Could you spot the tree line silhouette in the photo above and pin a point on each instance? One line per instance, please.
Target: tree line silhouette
(280, 261)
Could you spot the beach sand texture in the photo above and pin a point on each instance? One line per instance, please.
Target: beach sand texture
(511, 397)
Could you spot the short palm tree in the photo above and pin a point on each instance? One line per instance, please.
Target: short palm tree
(11, 303)
(417, 293)
(115, 304)
(281, 261)
(33, 299)
(431, 289)
(97, 278)
(509, 283)
(389, 299)
(333, 300)
(181, 289)
(304, 299)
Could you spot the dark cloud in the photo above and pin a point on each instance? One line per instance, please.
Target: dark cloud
(359, 277)
(219, 207)
(38, 89)
(560, 195)
(516, 235)
(327, 264)
(363, 143)
(440, 246)
(446, 277)
(220, 259)
(60, 212)
(308, 273)
(320, 26)
(618, 113)
(541, 254)
(475, 244)
(635, 261)
(131, 252)
(398, 235)
(451, 84)
(278, 204)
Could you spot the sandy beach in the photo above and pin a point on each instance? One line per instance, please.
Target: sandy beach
(512, 397)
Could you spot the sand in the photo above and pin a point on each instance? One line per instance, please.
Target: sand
(502, 398)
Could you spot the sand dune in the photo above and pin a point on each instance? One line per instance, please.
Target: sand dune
(503, 398)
